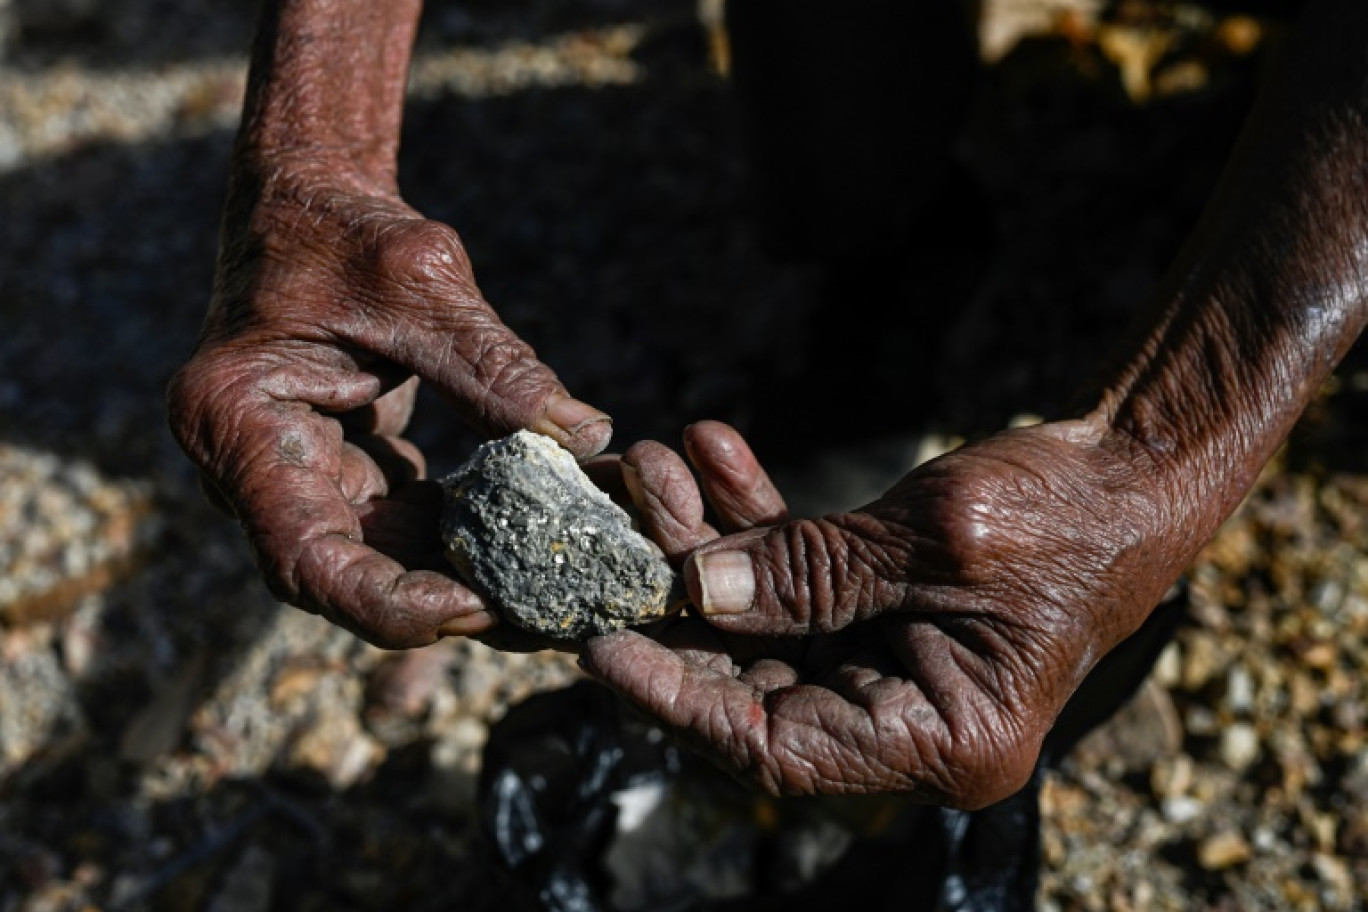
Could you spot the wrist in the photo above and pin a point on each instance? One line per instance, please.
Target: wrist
(1202, 407)
(304, 176)
(1239, 349)
(300, 161)
(1268, 296)
(327, 86)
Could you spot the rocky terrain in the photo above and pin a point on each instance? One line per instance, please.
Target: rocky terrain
(170, 738)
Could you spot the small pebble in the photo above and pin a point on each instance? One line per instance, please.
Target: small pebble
(1172, 777)
(1223, 850)
(1239, 695)
(1334, 873)
(1201, 660)
(1181, 810)
(1168, 669)
(1239, 746)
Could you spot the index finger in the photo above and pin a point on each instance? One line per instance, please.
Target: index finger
(667, 499)
(430, 317)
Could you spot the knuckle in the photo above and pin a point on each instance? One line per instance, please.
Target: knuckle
(182, 399)
(349, 590)
(967, 523)
(800, 549)
(417, 251)
(190, 384)
(292, 571)
(387, 628)
(832, 577)
(505, 384)
(402, 614)
(877, 558)
(280, 569)
(502, 360)
(199, 404)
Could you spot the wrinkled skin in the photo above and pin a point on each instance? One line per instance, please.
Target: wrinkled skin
(332, 298)
(330, 302)
(926, 642)
(923, 644)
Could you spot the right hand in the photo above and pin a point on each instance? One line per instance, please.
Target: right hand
(922, 644)
(332, 298)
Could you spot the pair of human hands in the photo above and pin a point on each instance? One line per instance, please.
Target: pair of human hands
(922, 644)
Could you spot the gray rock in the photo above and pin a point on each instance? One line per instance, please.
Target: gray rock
(528, 530)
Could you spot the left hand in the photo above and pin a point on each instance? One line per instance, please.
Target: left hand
(923, 644)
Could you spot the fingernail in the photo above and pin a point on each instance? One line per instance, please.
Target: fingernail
(727, 582)
(470, 625)
(576, 424)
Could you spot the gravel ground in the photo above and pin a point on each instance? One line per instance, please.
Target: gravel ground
(170, 738)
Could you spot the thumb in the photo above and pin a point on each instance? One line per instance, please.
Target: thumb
(808, 576)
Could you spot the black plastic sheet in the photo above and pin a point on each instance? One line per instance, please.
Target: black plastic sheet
(589, 808)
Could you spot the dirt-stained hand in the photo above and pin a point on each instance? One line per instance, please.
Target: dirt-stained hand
(923, 644)
(332, 297)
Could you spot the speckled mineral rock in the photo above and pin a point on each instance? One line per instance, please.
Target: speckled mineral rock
(528, 530)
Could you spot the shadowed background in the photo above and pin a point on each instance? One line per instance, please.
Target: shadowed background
(171, 738)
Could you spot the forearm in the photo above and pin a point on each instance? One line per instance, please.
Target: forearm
(1273, 288)
(327, 86)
